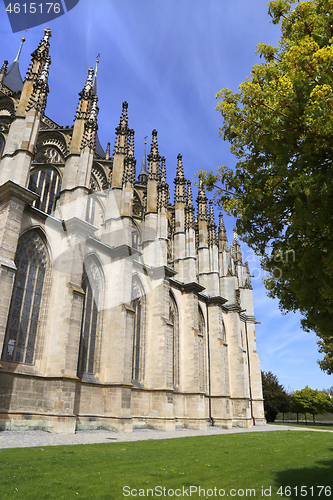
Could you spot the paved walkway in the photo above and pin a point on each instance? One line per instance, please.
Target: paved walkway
(23, 439)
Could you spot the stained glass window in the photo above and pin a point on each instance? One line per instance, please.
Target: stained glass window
(31, 260)
(91, 286)
(46, 183)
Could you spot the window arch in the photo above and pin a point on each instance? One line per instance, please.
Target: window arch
(137, 305)
(202, 351)
(91, 285)
(47, 184)
(174, 320)
(32, 264)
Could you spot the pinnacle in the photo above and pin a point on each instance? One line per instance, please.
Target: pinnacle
(154, 158)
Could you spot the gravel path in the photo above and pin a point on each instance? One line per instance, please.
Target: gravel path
(23, 439)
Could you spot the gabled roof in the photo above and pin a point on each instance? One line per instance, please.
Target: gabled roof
(13, 79)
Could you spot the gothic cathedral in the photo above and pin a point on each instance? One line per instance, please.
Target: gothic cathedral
(118, 309)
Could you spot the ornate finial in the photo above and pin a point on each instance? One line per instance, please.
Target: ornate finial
(202, 203)
(124, 118)
(19, 51)
(223, 240)
(154, 159)
(180, 172)
(88, 86)
(143, 172)
(122, 132)
(44, 45)
(107, 154)
(180, 196)
(236, 249)
(39, 56)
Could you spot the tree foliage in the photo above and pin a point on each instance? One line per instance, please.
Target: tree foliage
(280, 128)
(276, 399)
(310, 401)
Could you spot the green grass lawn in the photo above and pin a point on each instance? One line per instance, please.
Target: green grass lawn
(234, 462)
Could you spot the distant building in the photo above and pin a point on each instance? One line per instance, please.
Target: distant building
(117, 308)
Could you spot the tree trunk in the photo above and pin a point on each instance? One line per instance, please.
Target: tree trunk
(306, 422)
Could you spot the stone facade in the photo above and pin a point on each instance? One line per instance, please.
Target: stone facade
(118, 309)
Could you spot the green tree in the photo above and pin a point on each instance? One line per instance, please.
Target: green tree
(276, 400)
(310, 401)
(280, 128)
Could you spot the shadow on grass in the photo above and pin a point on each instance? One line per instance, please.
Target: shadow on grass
(312, 479)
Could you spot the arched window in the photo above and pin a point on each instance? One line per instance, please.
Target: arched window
(32, 263)
(174, 319)
(137, 357)
(137, 205)
(202, 352)
(91, 285)
(46, 183)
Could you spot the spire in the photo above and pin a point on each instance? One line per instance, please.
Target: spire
(180, 182)
(223, 240)
(211, 226)
(202, 203)
(189, 209)
(107, 154)
(95, 75)
(163, 188)
(19, 51)
(143, 172)
(3, 71)
(122, 131)
(12, 77)
(154, 159)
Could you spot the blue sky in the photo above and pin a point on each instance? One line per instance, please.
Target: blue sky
(168, 59)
